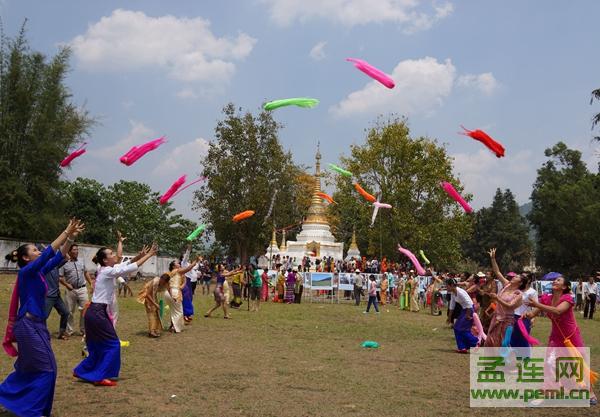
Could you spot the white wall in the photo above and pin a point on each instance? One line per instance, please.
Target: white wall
(154, 266)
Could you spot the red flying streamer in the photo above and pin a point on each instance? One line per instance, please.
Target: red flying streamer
(486, 139)
(137, 152)
(77, 153)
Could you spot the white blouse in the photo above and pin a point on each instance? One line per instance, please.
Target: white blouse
(104, 288)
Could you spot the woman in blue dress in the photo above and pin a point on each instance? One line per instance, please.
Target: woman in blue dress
(29, 390)
(104, 360)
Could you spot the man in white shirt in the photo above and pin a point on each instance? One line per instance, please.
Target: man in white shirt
(463, 324)
(590, 290)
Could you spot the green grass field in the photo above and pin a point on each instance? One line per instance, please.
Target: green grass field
(286, 360)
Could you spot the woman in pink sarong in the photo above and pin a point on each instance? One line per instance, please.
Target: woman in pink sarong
(265, 286)
(558, 307)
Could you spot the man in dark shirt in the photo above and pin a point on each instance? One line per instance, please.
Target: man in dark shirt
(54, 300)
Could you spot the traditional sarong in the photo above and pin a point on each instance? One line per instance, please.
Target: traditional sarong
(237, 295)
(104, 347)
(496, 332)
(187, 301)
(462, 331)
(289, 291)
(29, 390)
(175, 308)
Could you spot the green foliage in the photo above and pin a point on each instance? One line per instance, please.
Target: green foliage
(38, 126)
(245, 165)
(130, 207)
(566, 213)
(500, 226)
(406, 173)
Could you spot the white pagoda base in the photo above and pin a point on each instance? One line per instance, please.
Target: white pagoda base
(315, 239)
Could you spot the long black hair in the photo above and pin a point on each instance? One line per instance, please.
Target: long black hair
(100, 256)
(22, 252)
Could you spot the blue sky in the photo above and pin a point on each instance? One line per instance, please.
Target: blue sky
(522, 71)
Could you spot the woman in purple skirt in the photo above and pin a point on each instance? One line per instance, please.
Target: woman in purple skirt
(29, 390)
(104, 361)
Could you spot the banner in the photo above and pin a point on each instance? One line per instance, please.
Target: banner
(321, 281)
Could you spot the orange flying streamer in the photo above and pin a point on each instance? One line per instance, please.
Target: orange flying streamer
(326, 197)
(366, 195)
(243, 215)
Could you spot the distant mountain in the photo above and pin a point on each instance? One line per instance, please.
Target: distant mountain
(525, 209)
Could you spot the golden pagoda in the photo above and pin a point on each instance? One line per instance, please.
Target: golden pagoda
(315, 239)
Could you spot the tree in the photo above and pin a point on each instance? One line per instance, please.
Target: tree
(405, 173)
(38, 126)
(89, 200)
(136, 212)
(500, 226)
(565, 213)
(245, 165)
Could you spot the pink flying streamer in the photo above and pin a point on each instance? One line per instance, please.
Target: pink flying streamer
(451, 191)
(480, 332)
(9, 336)
(137, 152)
(530, 339)
(413, 259)
(382, 205)
(373, 72)
(172, 190)
(77, 153)
(197, 180)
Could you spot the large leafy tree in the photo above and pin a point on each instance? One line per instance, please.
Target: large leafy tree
(500, 226)
(245, 165)
(38, 125)
(406, 173)
(566, 213)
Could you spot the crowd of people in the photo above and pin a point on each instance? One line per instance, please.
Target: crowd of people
(480, 307)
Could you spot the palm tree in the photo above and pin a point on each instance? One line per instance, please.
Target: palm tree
(596, 118)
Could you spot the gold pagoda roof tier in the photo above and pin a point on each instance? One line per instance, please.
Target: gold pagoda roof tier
(316, 212)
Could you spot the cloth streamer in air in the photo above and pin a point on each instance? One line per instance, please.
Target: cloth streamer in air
(75, 154)
(9, 336)
(172, 190)
(370, 344)
(372, 72)
(413, 259)
(505, 348)
(197, 180)
(242, 216)
(451, 191)
(530, 339)
(376, 206)
(326, 197)
(424, 257)
(199, 230)
(486, 139)
(340, 170)
(370, 198)
(480, 332)
(137, 152)
(270, 207)
(298, 101)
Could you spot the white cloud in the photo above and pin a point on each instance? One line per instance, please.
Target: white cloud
(185, 48)
(486, 82)
(139, 133)
(318, 51)
(408, 13)
(184, 159)
(187, 93)
(481, 173)
(421, 85)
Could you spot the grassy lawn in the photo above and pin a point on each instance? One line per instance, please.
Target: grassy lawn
(286, 360)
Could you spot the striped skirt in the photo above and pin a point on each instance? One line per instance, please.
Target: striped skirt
(104, 347)
(29, 390)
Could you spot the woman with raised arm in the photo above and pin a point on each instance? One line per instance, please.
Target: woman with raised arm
(104, 361)
(506, 302)
(29, 390)
(558, 307)
(175, 297)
